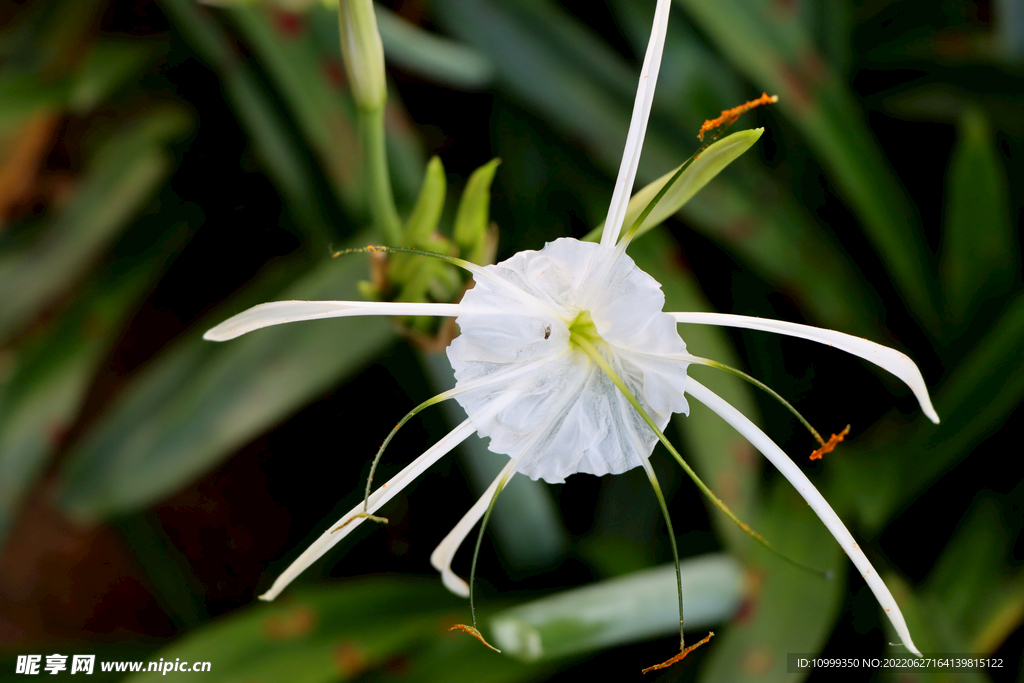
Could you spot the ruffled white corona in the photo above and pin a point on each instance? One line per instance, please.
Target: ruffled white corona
(525, 383)
(568, 416)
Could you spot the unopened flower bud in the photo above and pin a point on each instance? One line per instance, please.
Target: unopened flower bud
(362, 53)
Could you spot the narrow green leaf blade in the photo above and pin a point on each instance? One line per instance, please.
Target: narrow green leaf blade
(431, 56)
(708, 164)
(109, 64)
(471, 219)
(979, 240)
(275, 146)
(53, 370)
(123, 175)
(425, 215)
(789, 610)
(335, 633)
(200, 401)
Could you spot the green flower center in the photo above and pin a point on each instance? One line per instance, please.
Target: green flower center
(583, 328)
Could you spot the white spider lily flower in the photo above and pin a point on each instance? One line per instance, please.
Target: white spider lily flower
(528, 377)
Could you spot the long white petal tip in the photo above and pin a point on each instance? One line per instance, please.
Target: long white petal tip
(454, 583)
(907, 370)
(890, 360)
(279, 312)
(265, 315)
(271, 594)
(441, 558)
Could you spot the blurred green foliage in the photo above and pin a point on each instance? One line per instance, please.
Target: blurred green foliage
(879, 201)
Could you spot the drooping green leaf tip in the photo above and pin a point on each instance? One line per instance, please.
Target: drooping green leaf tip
(472, 217)
(425, 215)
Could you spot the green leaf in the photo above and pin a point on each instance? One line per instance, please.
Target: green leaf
(537, 51)
(979, 239)
(335, 633)
(934, 632)
(977, 591)
(41, 397)
(431, 56)
(471, 219)
(708, 164)
(120, 178)
(323, 111)
(108, 65)
(197, 403)
(306, 68)
(622, 610)
(425, 215)
(975, 400)
(277, 150)
(358, 629)
(789, 610)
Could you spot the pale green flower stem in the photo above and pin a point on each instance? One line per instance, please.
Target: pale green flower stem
(382, 200)
(588, 347)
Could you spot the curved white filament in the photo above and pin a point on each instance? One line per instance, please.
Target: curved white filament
(279, 312)
(637, 126)
(890, 360)
(445, 551)
(805, 488)
(378, 498)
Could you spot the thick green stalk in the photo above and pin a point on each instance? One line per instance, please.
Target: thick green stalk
(382, 200)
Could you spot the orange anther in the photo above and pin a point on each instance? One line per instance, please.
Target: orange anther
(831, 444)
(730, 115)
(472, 630)
(679, 657)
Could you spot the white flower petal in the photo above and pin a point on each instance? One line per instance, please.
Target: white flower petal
(567, 416)
(278, 312)
(637, 126)
(802, 484)
(891, 360)
(378, 498)
(445, 551)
